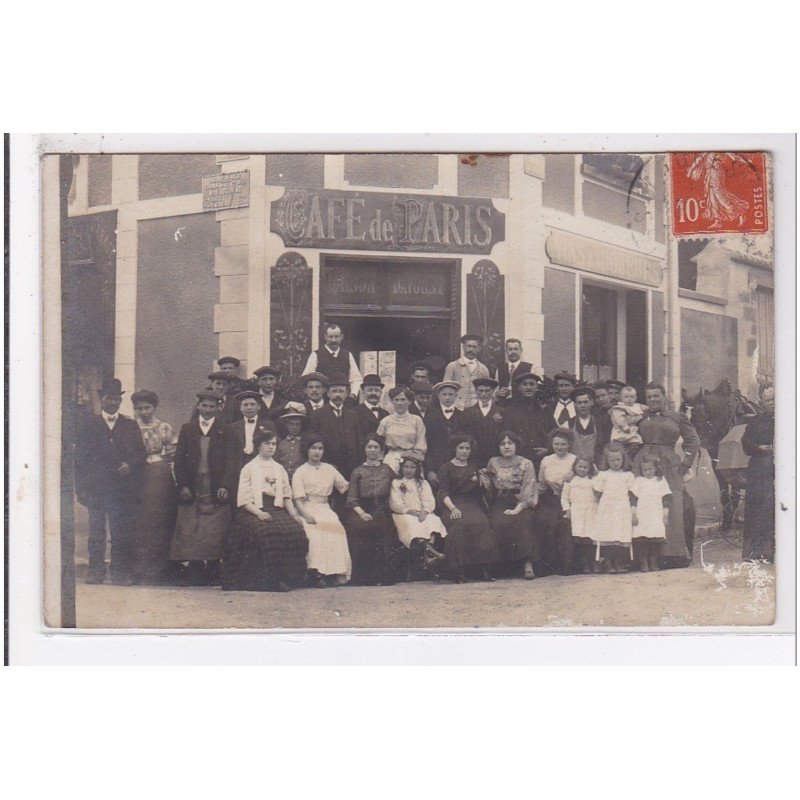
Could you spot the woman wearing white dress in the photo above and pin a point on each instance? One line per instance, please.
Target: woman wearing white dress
(312, 485)
(404, 432)
(418, 528)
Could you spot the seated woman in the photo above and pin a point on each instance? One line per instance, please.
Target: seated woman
(470, 539)
(549, 523)
(265, 551)
(370, 533)
(418, 528)
(312, 485)
(404, 432)
(515, 493)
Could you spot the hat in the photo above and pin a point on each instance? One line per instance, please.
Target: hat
(579, 390)
(229, 360)
(485, 382)
(564, 376)
(444, 384)
(421, 386)
(314, 376)
(294, 410)
(413, 456)
(111, 386)
(372, 380)
(220, 376)
(468, 337)
(144, 396)
(420, 365)
(338, 379)
(600, 385)
(247, 395)
(207, 394)
(523, 375)
(616, 383)
(267, 371)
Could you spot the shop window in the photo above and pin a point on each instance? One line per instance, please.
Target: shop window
(558, 189)
(483, 175)
(616, 189)
(394, 170)
(173, 174)
(306, 170)
(99, 177)
(687, 267)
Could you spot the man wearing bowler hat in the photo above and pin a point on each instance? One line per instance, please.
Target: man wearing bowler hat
(239, 436)
(108, 455)
(339, 425)
(465, 369)
(369, 412)
(484, 421)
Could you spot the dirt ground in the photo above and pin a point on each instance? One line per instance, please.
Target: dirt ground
(717, 590)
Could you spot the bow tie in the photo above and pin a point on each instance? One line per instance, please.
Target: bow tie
(292, 438)
(448, 412)
(111, 419)
(250, 421)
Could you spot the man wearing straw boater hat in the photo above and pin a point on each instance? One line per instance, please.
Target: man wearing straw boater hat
(108, 454)
(291, 424)
(442, 420)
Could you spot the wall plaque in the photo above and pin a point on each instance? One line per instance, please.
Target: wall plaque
(386, 221)
(228, 190)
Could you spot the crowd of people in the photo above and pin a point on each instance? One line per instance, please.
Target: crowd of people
(472, 477)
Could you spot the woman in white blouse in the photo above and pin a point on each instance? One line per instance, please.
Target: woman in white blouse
(266, 548)
(404, 432)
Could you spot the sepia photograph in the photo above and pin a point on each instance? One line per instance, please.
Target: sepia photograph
(409, 390)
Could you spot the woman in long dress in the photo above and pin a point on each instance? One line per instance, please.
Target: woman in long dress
(158, 502)
(370, 532)
(418, 527)
(312, 485)
(266, 548)
(759, 504)
(552, 530)
(470, 539)
(404, 432)
(515, 493)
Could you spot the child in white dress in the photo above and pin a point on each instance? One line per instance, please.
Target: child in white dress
(312, 485)
(625, 418)
(580, 508)
(613, 530)
(412, 503)
(651, 507)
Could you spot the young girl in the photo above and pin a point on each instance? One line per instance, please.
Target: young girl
(266, 548)
(613, 529)
(418, 528)
(625, 418)
(651, 506)
(312, 485)
(580, 508)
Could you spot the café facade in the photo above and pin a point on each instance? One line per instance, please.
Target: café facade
(176, 259)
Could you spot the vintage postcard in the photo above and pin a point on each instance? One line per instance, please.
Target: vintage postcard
(409, 390)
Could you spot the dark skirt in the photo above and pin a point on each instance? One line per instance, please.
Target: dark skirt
(374, 546)
(258, 556)
(470, 540)
(155, 522)
(759, 510)
(554, 551)
(513, 533)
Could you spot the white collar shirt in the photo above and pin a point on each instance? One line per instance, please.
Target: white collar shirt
(110, 419)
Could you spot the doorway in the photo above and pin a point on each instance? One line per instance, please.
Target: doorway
(394, 311)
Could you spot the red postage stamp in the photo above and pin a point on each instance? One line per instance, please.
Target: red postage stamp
(719, 193)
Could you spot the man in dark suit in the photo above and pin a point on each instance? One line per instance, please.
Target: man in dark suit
(369, 412)
(442, 420)
(108, 455)
(512, 366)
(522, 415)
(339, 426)
(484, 421)
(583, 424)
(272, 404)
(423, 397)
(315, 390)
(559, 412)
(602, 419)
(239, 436)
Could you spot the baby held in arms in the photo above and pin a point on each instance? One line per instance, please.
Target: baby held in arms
(625, 418)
